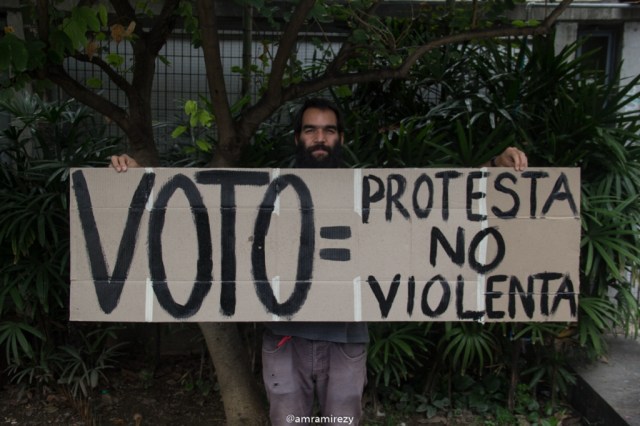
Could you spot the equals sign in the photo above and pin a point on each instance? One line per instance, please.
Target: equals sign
(335, 233)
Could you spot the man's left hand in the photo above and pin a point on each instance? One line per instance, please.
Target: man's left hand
(511, 157)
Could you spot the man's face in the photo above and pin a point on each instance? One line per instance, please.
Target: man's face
(319, 142)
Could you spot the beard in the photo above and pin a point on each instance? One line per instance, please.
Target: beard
(305, 158)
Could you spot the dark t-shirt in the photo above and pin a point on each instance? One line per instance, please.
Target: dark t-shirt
(340, 332)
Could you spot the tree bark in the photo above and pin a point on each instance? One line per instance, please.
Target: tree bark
(243, 404)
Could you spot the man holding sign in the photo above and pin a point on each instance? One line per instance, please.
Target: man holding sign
(327, 359)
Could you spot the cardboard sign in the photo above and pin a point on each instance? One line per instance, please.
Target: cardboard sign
(325, 245)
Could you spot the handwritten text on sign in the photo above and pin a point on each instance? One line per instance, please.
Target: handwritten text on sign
(325, 245)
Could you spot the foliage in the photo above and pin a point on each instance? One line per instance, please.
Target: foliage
(396, 352)
(87, 33)
(482, 397)
(468, 344)
(37, 148)
(193, 140)
(528, 410)
(85, 29)
(462, 106)
(83, 362)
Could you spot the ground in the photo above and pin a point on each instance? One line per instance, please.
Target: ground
(172, 395)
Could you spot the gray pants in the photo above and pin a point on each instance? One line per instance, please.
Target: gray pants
(294, 368)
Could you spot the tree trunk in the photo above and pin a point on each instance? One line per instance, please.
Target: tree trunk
(242, 400)
(142, 145)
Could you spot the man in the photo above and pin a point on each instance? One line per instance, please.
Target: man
(327, 360)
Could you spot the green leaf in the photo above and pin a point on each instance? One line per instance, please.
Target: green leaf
(89, 16)
(359, 36)
(203, 145)
(5, 55)
(76, 33)
(20, 56)
(103, 15)
(178, 131)
(115, 60)
(204, 118)
(59, 43)
(164, 60)
(36, 53)
(14, 53)
(94, 83)
(343, 91)
(190, 107)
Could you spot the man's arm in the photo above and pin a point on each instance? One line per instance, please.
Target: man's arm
(122, 162)
(510, 157)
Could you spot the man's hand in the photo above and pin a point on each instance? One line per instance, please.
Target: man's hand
(122, 162)
(510, 157)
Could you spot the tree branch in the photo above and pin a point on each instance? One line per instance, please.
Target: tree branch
(320, 83)
(346, 51)
(43, 20)
(483, 34)
(147, 46)
(263, 108)
(163, 27)
(123, 8)
(286, 46)
(59, 76)
(118, 79)
(217, 88)
(311, 86)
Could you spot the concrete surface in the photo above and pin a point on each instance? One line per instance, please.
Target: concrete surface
(608, 392)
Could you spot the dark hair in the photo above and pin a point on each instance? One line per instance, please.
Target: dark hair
(321, 104)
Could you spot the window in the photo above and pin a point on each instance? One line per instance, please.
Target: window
(603, 44)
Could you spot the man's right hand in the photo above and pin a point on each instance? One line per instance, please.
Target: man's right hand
(122, 162)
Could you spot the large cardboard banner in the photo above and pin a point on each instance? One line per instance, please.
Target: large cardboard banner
(325, 245)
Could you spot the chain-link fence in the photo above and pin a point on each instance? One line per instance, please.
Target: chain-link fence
(180, 75)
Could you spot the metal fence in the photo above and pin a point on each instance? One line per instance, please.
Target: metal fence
(180, 75)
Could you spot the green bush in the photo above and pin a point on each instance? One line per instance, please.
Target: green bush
(42, 141)
(519, 92)
(462, 106)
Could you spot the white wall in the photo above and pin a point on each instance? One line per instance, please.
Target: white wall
(631, 56)
(566, 33)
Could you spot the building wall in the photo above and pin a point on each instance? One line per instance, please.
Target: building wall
(622, 20)
(566, 33)
(631, 49)
(631, 56)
